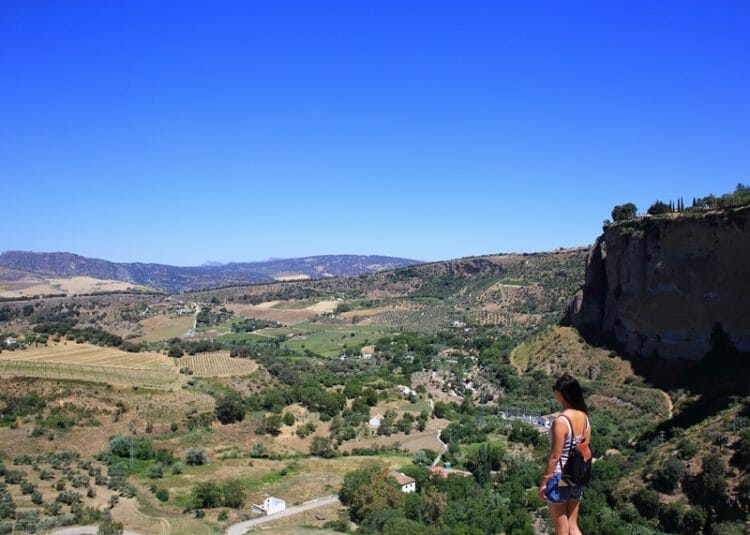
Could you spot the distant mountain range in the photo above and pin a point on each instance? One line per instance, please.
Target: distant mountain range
(176, 279)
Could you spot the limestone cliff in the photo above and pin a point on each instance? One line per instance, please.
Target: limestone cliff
(657, 285)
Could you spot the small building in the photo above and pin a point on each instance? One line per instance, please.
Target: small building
(375, 420)
(407, 484)
(405, 390)
(270, 506)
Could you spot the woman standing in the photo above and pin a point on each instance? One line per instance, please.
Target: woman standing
(572, 425)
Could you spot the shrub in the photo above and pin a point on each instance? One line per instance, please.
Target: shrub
(13, 477)
(27, 487)
(173, 427)
(222, 516)
(22, 459)
(162, 495)
(206, 495)
(230, 409)
(668, 475)
(143, 448)
(196, 456)
(258, 451)
(68, 497)
(109, 527)
(36, 497)
(156, 471)
(177, 468)
(647, 502)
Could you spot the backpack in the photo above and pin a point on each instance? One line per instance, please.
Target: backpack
(577, 469)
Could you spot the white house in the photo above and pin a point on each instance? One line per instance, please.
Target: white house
(375, 420)
(407, 484)
(270, 506)
(405, 390)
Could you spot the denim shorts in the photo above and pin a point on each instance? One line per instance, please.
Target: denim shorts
(560, 492)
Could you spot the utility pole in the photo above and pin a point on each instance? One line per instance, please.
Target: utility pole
(131, 428)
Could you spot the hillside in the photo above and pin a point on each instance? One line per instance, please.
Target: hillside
(176, 279)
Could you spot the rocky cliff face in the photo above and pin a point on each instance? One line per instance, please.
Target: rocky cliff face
(657, 286)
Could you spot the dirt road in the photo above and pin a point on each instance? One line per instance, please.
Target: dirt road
(84, 530)
(241, 527)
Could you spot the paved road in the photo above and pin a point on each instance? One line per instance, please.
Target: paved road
(242, 527)
(83, 530)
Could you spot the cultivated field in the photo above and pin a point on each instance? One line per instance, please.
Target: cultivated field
(87, 362)
(161, 327)
(218, 364)
(288, 312)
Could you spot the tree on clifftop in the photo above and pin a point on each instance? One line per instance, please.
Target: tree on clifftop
(623, 212)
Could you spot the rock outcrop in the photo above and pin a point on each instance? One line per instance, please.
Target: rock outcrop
(655, 286)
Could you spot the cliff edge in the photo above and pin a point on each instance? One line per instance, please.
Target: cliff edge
(656, 286)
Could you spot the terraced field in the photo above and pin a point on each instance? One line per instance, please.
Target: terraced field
(87, 362)
(218, 364)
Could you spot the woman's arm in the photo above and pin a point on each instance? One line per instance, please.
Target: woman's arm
(558, 439)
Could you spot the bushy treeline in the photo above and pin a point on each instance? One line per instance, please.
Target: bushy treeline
(68, 329)
(452, 505)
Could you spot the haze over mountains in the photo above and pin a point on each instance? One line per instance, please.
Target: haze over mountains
(178, 278)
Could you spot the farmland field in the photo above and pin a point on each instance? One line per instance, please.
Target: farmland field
(329, 340)
(162, 327)
(218, 364)
(87, 362)
(89, 355)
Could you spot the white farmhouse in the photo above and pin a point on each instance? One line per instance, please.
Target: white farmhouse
(270, 506)
(375, 420)
(407, 484)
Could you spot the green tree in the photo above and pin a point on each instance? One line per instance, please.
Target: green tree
(623, 212)
(323, 447)
(175, 352)
(433, 504)
(233, 494)
(230, 408)
(694, 520)
(380, 493)
(272, 424)
(289, 419)
(206, 495)
(668, 475)
(659, 208)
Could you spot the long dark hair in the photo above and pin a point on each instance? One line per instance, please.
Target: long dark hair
(571, 392)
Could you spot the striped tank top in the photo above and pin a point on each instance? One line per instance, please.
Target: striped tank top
(569, 441)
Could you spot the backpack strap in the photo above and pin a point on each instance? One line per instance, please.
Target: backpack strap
(572, 440)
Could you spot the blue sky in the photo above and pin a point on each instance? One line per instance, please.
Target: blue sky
(180, 132)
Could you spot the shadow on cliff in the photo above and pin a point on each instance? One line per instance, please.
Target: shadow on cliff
(723, 373)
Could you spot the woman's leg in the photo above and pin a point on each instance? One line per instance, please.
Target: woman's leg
(572, 514)
(559, 514)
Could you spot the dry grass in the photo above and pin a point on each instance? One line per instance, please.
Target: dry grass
(70, 286)
(265, 311)
(161, 327)
(217, 365)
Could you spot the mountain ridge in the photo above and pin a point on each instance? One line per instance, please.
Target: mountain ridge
(182, 278)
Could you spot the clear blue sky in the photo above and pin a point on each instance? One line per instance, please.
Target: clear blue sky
(179, 132)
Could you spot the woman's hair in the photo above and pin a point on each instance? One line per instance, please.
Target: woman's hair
(571, 392)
